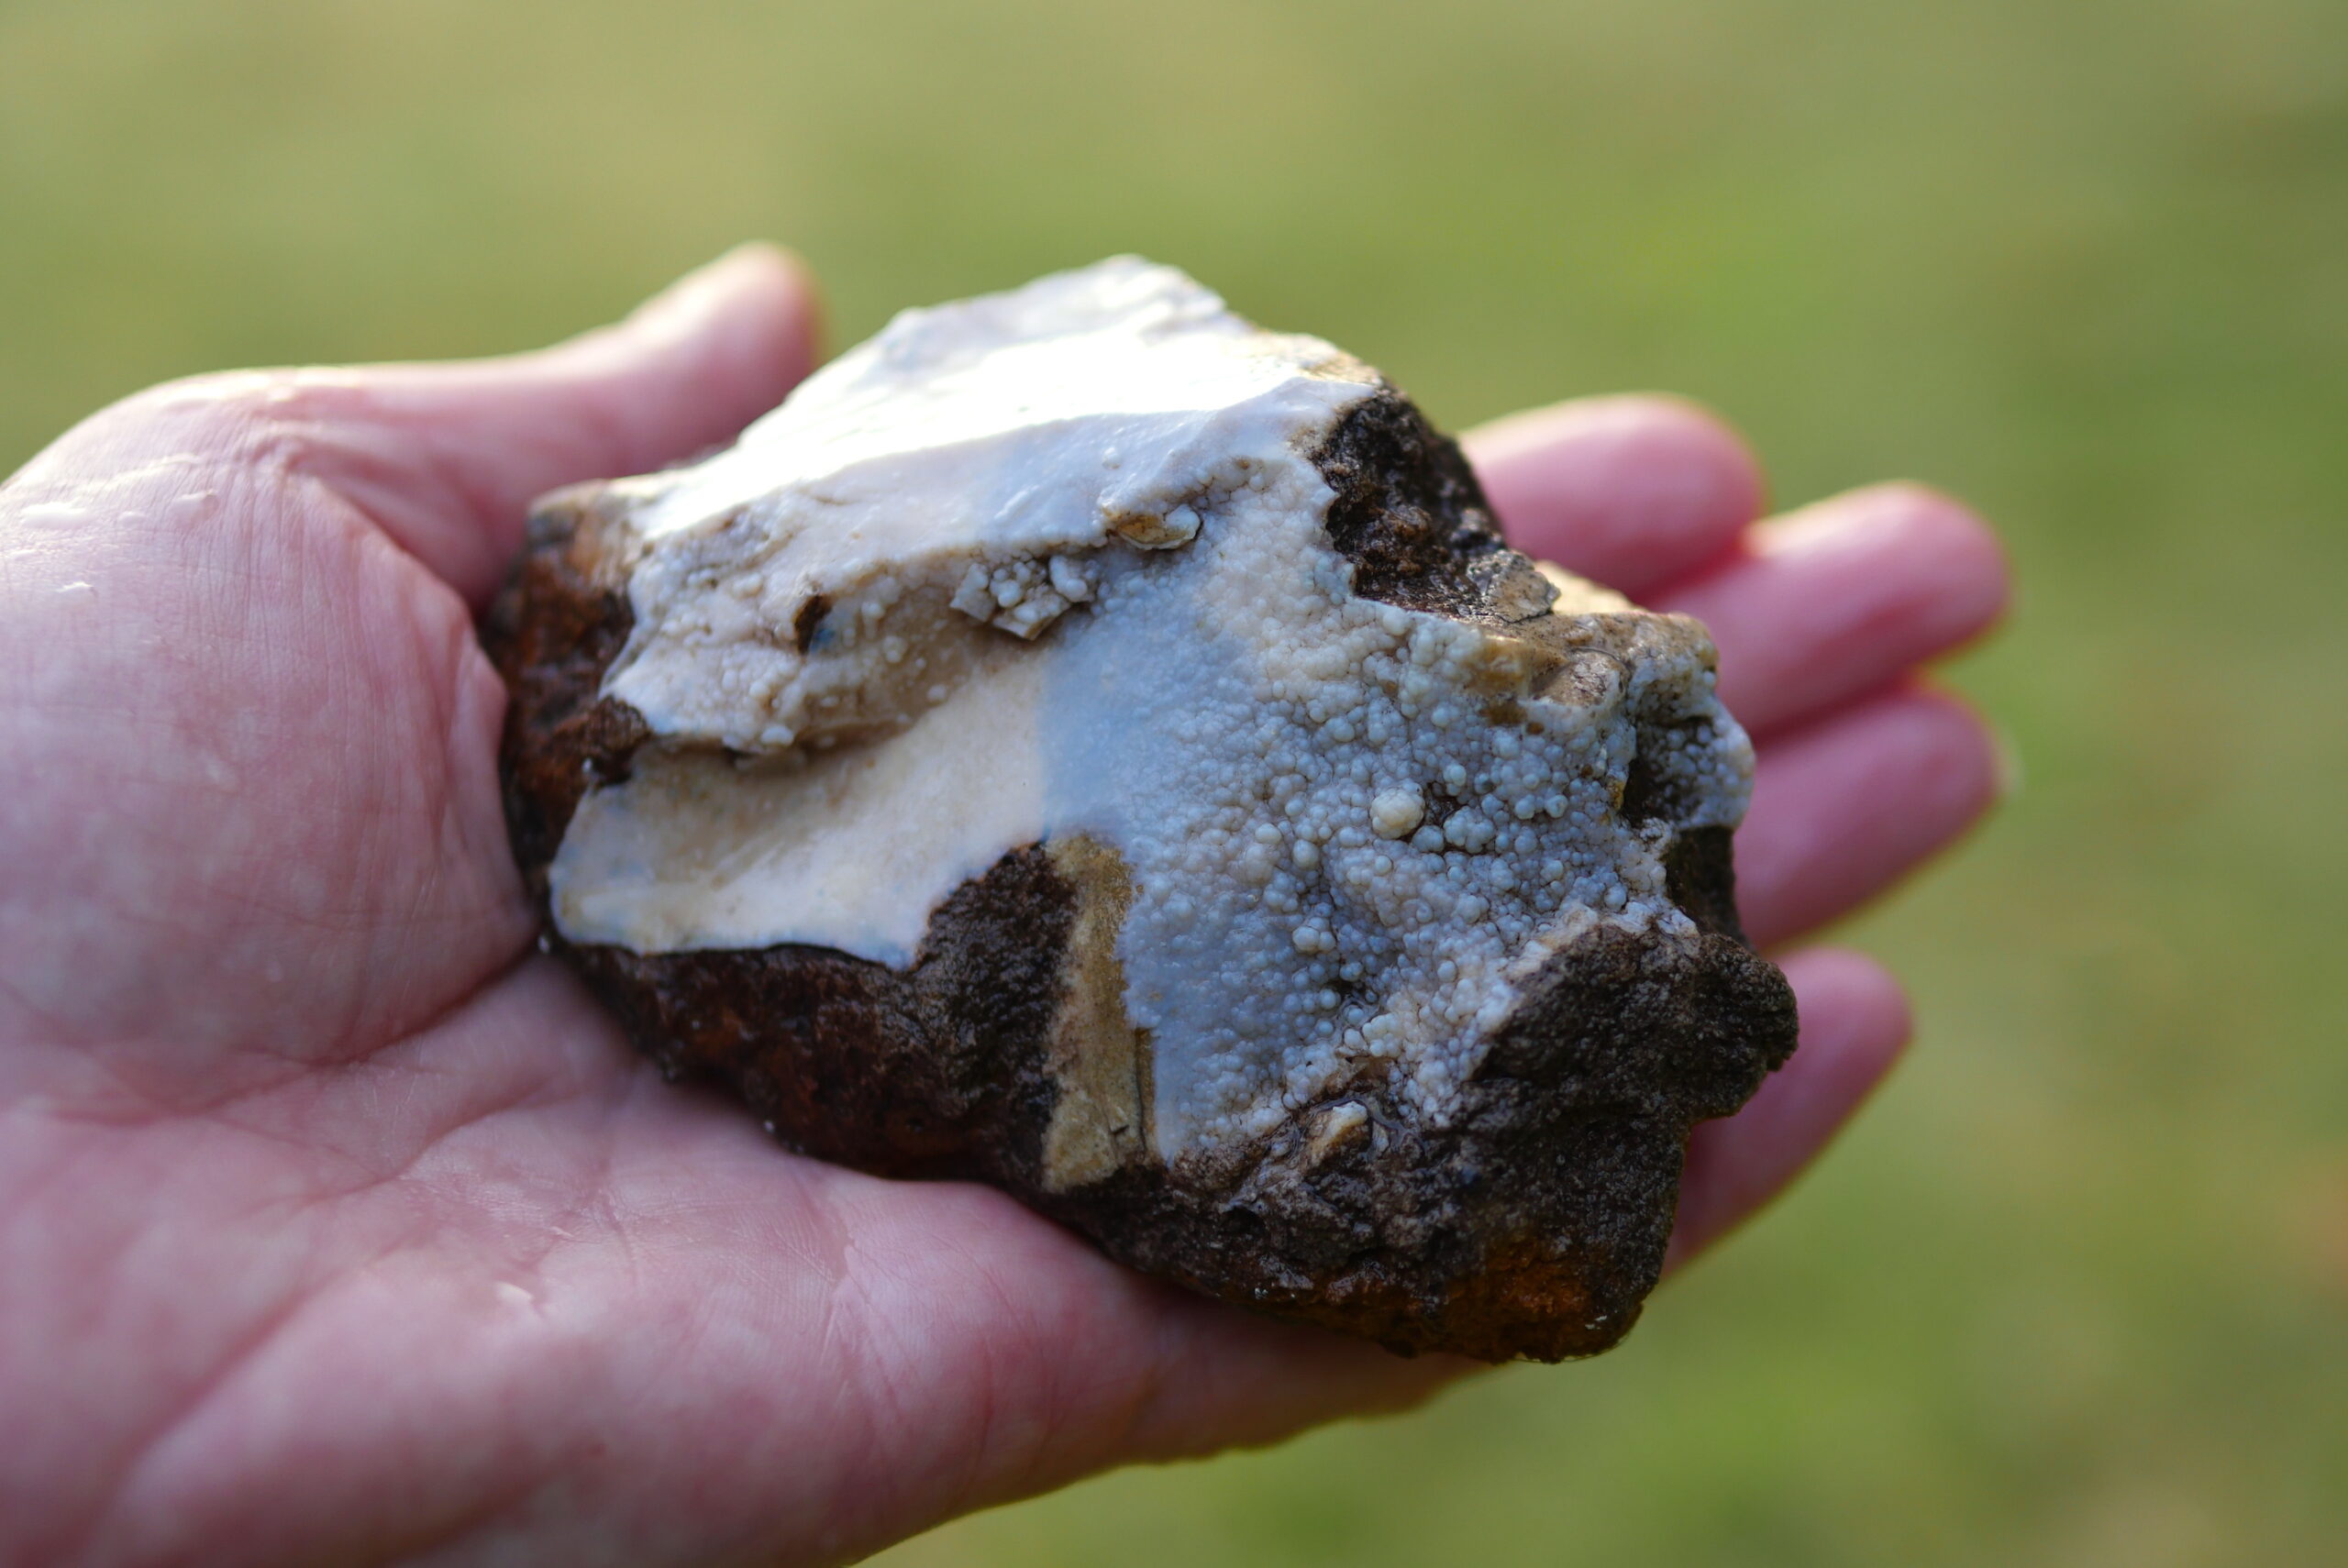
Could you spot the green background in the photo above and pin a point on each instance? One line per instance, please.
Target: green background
(2077, 1290)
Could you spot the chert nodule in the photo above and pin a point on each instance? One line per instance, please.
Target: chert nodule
(1086, 742)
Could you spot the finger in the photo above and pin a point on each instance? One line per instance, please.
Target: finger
(447, 458)
(1231, 1381)
(1854, 1023)
(1035, 1361)
(1837, 599)
(1846, 808)
(1632, 490)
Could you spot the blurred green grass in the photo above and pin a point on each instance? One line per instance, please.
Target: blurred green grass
(2077, 1292)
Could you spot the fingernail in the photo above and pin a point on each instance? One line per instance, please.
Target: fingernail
(1841, 520)
(684, 304)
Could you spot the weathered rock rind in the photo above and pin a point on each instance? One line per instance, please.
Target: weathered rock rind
(1532, 1224)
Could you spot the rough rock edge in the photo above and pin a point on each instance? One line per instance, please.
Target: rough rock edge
(1532, 1226)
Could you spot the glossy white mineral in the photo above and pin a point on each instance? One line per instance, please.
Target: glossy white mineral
(1053, 562)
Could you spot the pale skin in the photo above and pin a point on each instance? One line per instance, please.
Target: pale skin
(336, 1225)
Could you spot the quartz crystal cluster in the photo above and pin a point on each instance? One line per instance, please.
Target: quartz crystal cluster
(1085, 742)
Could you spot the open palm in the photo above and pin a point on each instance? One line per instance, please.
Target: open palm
(336, 1225)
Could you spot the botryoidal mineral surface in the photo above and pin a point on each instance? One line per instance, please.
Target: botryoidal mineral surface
(1084, 743)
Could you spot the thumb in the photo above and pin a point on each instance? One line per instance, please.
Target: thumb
(446, 458)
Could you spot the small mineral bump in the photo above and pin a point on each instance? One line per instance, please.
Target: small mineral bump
(1395, 813)
(1085, 742)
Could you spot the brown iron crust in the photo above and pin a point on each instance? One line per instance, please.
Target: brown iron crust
(1533, 1224)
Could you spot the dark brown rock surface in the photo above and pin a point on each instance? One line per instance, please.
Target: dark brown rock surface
(1531, 1225)
(1527, 1216)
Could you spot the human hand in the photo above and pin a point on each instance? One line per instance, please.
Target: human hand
(336, 1225)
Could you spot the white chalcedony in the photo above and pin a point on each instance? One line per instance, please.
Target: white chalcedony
(1395, 813)
(1052, 563)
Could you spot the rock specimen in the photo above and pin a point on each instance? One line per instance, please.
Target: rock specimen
(1084, 743)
